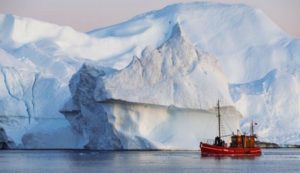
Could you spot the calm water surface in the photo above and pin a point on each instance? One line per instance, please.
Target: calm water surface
(40, 161)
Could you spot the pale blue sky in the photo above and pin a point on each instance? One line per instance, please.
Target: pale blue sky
(85, 15)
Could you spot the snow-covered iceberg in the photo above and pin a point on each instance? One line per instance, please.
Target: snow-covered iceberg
(29, 104)
(164, 99)
(34, 84)
(258, 59)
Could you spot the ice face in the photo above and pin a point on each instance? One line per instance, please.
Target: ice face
(151, 103)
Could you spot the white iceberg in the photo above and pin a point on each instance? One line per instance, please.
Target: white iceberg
(163, 100)
(260, 63)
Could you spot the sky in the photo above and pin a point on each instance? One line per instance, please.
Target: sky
(86, 15)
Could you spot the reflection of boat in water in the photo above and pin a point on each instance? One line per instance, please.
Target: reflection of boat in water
(241, 145)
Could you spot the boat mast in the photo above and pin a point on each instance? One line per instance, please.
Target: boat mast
(219, 118)
(252, 129)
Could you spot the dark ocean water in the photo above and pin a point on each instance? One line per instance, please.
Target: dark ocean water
(53, 161)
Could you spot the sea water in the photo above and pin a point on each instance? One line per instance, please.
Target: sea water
(50, 161)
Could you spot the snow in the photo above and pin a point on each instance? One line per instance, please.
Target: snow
(256, 68)
(174, 74)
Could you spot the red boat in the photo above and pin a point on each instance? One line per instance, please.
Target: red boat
(207, 150)
(241, 145)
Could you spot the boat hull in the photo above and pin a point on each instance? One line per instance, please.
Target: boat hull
(207, 150)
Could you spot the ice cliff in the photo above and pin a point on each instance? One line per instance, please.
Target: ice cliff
(150, 103)
(258, 74)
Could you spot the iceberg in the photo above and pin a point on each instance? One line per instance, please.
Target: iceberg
(241, 56)
(162, 100)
